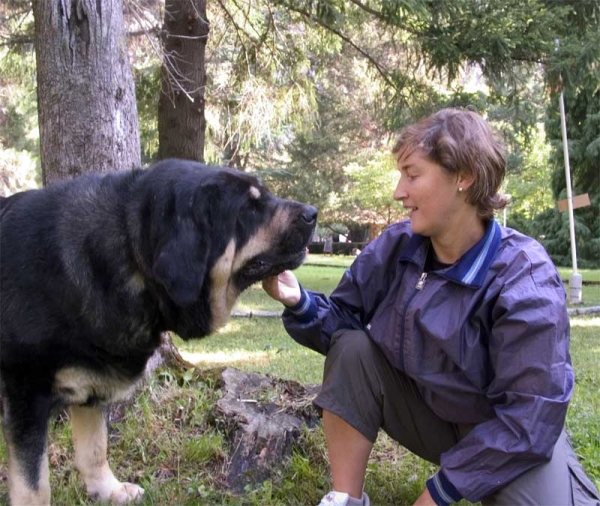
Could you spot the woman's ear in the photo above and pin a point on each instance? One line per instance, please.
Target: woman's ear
(465, 181)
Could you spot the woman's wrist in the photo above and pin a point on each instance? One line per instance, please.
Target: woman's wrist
(294, 300)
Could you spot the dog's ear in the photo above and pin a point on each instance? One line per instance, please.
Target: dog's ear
(180, 264)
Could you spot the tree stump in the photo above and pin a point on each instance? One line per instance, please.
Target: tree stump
(262, 418)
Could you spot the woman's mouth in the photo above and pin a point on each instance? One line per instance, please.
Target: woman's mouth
(411, 209)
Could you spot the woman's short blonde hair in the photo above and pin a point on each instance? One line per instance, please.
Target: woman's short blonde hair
(463, 143)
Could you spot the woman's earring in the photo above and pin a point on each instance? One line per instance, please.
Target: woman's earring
(460, 189)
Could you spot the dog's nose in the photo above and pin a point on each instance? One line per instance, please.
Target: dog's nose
(309, 215)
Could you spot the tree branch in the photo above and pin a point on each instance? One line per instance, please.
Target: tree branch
(382, 71)
(386, 19)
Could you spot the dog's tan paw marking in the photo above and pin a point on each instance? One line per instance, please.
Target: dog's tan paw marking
(126, 493)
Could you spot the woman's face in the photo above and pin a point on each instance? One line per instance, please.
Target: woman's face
(430, 194)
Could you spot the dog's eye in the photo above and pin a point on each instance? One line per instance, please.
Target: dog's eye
(252, 210)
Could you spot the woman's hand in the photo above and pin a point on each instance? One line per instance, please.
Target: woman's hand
(284, 288)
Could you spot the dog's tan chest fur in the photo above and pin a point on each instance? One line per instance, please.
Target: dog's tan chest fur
(75, 385)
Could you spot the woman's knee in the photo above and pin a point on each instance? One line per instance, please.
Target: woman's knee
(353, 347)
(350, 388)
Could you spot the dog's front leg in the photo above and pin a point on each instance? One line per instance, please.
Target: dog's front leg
(22, 493)
(25, 424)
(90, 441)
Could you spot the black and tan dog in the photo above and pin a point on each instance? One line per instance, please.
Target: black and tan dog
(94, 269)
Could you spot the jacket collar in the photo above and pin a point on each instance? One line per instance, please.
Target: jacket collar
(472, 267)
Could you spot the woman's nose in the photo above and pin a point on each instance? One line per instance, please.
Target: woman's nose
(399, 193)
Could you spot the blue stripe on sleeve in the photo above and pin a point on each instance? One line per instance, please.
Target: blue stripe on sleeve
(442, 491)
(306, 308)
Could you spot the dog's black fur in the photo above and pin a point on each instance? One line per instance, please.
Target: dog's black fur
(94, 269)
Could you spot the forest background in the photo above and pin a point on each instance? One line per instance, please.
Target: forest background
(309, 94)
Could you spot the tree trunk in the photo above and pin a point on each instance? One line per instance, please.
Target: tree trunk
(86, 97)
(181, 122)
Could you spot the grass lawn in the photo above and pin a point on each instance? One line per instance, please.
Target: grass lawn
(588, 275)
(165, 440)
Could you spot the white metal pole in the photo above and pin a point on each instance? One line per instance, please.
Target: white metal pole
(575, 281)
(563, 127)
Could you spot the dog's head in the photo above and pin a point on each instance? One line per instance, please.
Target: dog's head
(208, 233)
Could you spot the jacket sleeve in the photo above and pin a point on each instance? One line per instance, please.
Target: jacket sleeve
(532, 383)
(317, 317)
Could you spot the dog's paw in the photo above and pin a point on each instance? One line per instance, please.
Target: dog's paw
(126, 493)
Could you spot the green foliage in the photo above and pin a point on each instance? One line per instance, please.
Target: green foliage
(527, 180)
(368, 194)
(308, 95)
(492, 34)
(552, 229)
(573, 69)
(19, 138)
(147, 89)
(259, 83)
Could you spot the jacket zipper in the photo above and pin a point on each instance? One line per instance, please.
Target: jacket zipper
(418, 287)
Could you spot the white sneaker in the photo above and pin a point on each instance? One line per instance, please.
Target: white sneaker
(334, 498)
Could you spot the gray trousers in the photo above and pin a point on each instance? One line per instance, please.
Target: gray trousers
(361, 387)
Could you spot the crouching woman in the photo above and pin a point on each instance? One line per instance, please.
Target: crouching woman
(450, 333)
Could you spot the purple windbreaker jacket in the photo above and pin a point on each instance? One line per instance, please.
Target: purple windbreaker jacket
(486, 341)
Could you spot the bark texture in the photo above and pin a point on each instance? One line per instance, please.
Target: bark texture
(86, 96)
(181, 121)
